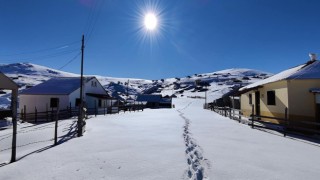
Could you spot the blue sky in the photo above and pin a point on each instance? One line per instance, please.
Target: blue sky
(193, 36)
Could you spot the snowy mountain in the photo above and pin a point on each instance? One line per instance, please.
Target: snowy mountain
(216, 84)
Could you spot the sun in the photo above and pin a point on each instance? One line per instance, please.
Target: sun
(150, 21)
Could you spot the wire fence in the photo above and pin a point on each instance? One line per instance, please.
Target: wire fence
(34, 137)
(39, 131)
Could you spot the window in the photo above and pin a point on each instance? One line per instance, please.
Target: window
(93, 84)
(77, 102)
(54, 102)
(271, 95)
(250, 98)
(100, 103)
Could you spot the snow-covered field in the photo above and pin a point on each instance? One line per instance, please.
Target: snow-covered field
(187, 142)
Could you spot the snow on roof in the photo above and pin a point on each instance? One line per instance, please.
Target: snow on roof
(311, 71)
(56, 86)
(304, 71)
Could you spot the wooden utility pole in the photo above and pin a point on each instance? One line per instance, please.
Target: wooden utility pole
(80, 117)
(14, 101)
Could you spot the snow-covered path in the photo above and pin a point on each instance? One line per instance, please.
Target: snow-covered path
(171, 144)
(236, 151)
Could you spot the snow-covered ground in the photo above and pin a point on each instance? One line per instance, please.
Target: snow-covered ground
(186, 142)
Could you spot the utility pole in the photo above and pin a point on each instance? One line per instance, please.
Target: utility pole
(80, 117)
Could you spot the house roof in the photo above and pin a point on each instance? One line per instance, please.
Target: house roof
(309, 70)
(149, 98)
(7, 83)
(56, 86)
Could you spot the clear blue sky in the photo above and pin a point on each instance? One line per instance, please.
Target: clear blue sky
(193, 36)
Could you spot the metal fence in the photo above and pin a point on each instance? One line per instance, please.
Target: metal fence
(39, 131)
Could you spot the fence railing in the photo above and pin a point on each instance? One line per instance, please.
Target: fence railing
(283, 125)
(51, 115)
(232, 113)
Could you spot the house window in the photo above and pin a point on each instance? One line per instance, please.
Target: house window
(100, 103)
(54, 102)
(78, 102)
(250, 98)
(271, 95)
(93, 84)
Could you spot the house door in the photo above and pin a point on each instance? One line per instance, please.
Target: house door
(257, 103)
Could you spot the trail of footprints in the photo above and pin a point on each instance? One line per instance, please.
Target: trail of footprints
(198, 165)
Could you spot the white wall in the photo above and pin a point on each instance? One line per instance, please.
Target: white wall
(91, 88)
(73, 96)
(41, 102)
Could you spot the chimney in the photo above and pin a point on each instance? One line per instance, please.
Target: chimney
(313, 57)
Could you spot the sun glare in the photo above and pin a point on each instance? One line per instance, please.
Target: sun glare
(150, 21)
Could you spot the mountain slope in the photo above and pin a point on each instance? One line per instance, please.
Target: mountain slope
(217, 83)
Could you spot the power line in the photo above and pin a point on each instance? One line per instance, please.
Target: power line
(32, 59)
(92, 19)
(63, 46)
(70, 61)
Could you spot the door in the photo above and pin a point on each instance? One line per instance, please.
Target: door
(257, 103)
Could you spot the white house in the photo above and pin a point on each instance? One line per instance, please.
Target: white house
(66, 91)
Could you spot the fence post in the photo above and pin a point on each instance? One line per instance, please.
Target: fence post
(56, 126)
(230, 113)
(240, 116)
(104, 108)
(52, 114)
(70, 110)
(25, 113)
(35, 115)
(21, 114)
(95, 108)
(285, 122)
(252, 117)
(225, 111)
(47, 112)
(234, 113)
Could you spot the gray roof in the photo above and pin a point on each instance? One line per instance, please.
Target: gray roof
(56, 86)
(309, 70)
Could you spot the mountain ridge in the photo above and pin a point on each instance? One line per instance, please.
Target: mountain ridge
(216, 83)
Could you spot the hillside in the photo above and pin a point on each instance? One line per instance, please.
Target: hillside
(217, 83)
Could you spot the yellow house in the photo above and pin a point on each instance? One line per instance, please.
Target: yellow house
(297, 89)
